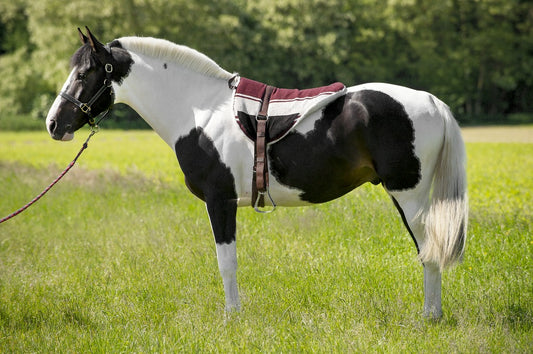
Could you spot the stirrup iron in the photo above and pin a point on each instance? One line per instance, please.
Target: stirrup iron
(256, 204)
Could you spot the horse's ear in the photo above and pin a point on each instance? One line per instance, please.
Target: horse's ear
(95, 44)
(83, 38)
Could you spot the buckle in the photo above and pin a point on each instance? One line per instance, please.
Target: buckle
(84, 108)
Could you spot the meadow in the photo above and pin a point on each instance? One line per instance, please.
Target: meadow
(119, 257)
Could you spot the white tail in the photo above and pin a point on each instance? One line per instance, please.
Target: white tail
(447, 218)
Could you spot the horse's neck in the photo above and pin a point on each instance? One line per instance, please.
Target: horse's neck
(171, 99)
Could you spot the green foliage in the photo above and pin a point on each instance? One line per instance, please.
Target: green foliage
(475, 55)
(119, 257)
(17, 122)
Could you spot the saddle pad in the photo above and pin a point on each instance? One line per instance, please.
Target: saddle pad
(287, 107)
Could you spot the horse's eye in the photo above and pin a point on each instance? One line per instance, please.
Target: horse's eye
(82, 76)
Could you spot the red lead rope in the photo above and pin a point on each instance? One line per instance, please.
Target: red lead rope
(34, 200)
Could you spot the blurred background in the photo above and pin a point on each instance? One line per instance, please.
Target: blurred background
(476, 55)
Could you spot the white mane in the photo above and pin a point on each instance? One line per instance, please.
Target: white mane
(180, 54)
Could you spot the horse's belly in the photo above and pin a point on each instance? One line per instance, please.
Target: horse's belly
(281, 195)
(319, 188)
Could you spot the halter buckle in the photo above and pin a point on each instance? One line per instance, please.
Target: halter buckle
(85, 108)
(108, 68)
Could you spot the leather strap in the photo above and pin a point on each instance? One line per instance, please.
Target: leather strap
(260, 175)
(86, 107)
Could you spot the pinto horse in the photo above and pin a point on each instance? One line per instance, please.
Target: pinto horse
(406, 140)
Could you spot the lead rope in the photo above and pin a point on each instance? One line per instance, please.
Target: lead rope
(94, 130)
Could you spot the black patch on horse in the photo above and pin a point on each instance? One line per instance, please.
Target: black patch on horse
(122, 61)
(206, 175)
(332, 153)
(390, 139)
(211, 180)
(277, 126)
(361, 137)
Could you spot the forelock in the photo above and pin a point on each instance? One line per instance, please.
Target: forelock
(83, 57)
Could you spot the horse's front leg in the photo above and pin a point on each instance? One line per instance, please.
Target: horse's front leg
(222, 215)
(227, 264)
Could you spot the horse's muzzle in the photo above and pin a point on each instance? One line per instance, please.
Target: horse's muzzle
(56, 134)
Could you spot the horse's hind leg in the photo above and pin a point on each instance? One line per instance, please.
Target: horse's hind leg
(412, 205)
(432, 291)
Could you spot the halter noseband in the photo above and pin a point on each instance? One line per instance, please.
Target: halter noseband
(86, 107)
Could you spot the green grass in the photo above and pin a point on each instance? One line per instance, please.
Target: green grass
(119, 257)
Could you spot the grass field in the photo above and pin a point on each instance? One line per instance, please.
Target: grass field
(119, 257)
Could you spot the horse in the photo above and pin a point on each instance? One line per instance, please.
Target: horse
(406, 140)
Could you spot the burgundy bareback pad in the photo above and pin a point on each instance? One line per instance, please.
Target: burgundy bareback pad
(266, 114)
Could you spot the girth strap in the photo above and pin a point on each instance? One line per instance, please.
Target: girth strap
(260, 171)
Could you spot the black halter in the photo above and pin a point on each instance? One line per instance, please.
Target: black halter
(86, 107)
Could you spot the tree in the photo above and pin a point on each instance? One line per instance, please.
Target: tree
(476, 55)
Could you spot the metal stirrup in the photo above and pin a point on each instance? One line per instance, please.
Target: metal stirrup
(256, 204)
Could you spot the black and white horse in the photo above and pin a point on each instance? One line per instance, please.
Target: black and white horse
(406, 140)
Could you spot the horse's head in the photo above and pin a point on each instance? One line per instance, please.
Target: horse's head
(87, 91)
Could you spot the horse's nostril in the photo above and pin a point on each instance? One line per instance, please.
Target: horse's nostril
(52, 126)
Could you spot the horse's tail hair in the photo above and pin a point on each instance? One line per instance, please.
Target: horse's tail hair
(446, 219)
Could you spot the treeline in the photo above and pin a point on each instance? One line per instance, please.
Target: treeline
(476, 55)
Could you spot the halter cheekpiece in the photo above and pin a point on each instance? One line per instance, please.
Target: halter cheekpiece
(86, 107)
